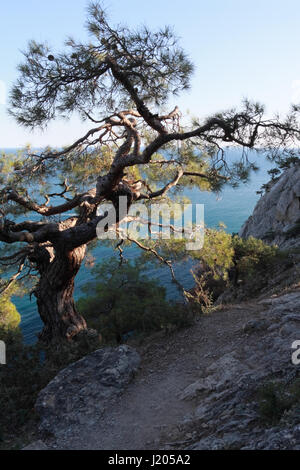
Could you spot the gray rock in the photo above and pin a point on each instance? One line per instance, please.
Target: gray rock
(36, 445)
(255, 325)
(222, 371)
(277, 211)
(81, 393)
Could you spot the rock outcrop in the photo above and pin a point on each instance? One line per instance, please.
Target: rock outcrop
(80, 393)
(276, 217)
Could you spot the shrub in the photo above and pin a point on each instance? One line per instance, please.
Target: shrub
(123, 300)
(217, 253)
(276, 398)
(9, 316)
(251, 255)
(231, 263)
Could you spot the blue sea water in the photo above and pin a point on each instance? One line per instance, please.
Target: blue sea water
(231, 206)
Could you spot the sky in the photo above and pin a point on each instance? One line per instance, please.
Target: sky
(240, 49)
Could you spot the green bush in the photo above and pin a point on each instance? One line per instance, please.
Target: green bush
(222, 252)
(252, 255)
(9, 316)
(230, 263)
(217, 253)
(123, 300)
(276, 398)
(19, 381)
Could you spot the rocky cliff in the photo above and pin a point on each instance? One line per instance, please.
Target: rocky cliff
(276, 217)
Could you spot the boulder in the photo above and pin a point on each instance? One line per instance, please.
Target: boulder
(81, 393)
(36, 445)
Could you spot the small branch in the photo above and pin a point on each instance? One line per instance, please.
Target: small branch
(203, 175)
(121, 256)
(5, 288)
(162, 260)
(165, 189)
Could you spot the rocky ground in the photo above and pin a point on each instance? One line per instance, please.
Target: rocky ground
(198, 388)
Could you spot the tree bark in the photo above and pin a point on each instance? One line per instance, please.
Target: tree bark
(54, 295)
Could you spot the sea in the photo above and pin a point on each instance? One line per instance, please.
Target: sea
(231, 207)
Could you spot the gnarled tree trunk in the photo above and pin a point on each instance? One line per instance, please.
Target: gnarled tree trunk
(58, 263)
(54, 293)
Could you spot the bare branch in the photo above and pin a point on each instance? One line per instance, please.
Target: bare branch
(162, 260)
(165, 189)
(8, 284)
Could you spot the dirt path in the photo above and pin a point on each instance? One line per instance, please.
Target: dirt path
(149, 412)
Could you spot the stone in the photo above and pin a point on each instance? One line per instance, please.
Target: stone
(255, 325)
(80, 393)
(193, 390)
(36, 445)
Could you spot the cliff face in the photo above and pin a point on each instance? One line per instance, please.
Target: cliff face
(276, 217)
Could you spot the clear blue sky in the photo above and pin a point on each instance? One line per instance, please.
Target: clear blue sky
(240, 49)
